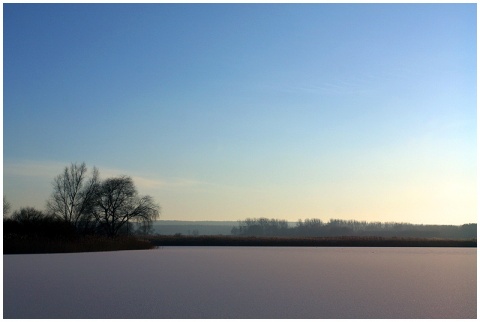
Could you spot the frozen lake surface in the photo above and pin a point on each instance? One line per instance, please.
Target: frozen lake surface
(244, 282)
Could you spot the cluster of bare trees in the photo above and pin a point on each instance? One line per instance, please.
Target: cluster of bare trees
(337, 227)
(94, 206)
(261, 227)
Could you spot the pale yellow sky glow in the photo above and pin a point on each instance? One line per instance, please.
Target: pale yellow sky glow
(382, 192)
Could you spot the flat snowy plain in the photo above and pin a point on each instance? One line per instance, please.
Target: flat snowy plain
(244, 282)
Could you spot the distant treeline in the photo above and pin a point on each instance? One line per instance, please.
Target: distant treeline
(343, 241)
(338, 227)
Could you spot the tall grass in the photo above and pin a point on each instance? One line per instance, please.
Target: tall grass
(98, 244)
(344, 241)
(22, 245)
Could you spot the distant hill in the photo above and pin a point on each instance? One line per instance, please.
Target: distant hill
(172, 227)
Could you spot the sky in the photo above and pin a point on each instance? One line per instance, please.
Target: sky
(229, 111)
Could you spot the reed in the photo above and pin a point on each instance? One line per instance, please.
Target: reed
(19, 245)
(343, 241)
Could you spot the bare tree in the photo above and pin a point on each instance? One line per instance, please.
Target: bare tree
(27, 215)
(118, 203)
(6, 207)
(74, 195)
(145, 228)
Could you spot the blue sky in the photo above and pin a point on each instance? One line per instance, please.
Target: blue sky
(228, 111)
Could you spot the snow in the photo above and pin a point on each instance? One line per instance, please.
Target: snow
(243, 282)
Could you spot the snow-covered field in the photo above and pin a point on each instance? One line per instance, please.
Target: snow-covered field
(242, 282)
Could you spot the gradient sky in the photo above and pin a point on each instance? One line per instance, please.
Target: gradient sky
(223, 112)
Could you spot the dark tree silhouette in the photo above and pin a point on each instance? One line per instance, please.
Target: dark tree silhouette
(73, 196)
(27, 215)
(118, 203)
(6, 207)
(32, 223)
